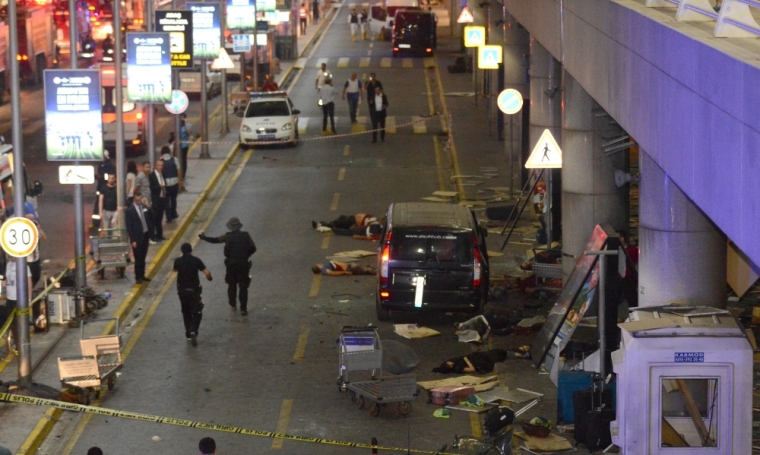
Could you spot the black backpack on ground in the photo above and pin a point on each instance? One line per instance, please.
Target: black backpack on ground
(497, 419)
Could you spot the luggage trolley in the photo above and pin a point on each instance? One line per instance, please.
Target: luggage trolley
(399, 389)
(358, 350)
(111, 249)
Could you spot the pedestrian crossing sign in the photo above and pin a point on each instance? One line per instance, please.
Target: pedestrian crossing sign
(465, 17)
(546, 154)
(474, 36)
(489, 57)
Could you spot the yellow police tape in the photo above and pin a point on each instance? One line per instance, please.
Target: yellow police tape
(11, 398)
(26, 311)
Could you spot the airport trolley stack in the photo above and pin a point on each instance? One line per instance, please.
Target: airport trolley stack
(359, 349)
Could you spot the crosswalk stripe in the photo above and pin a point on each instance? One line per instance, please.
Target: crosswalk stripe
(358, 127)
(320, 61)
(429, 62)
(364, 62)
(407, 63)
(390, 124)
(385, 62)
(419, 126)
(303, 122)
(343, 62)
(300, 63)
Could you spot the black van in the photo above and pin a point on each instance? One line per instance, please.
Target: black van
(441, 244)
(414, 31)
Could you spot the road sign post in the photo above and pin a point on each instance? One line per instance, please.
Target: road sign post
(510, 102)
(546, 155)
(474, 37)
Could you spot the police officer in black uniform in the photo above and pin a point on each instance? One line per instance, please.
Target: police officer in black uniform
(189, 289)
(238, 249)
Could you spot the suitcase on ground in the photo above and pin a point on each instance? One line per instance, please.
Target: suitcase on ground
(450, 395)
(597, 432)
(568, 383)
(584, 402)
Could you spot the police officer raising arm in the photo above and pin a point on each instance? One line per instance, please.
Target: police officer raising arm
(238, 249)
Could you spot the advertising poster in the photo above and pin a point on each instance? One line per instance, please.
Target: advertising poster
(266, 6)
(149, 71)
(241, 14)
(207, 34)
(73, 122)
(179, 25)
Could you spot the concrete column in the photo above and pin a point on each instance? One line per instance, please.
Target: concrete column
(589, 193)
(545, 111)
(682, 254)
(516, 57)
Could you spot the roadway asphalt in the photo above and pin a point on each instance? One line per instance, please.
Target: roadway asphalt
(275, 369)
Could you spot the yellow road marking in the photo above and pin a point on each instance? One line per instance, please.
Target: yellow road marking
(407, 63)
(419, 127)
(326, 241)
(334, 205)
(79, 429)
(431, 104)
(385, 62)
(439, 164)
(364, 62)
(358, 127)
(429, 62)
(343, 62)
(315, 285)
(452, 148)
(341, 173)
(475, 425)
(301, 345)
(40, 432)
(390, 124)
(300, 63)
(282, 423)
(320, 61)
(346, 150)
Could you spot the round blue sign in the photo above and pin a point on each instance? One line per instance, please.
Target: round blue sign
(510, 101)
(178, 103)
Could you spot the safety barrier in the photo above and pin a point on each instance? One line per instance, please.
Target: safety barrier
(734, 20)
(11, 398)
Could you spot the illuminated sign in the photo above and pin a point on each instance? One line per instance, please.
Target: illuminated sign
(241, 14)
(179, 25)
(474, 36)
(73, 122)
(207, 35)
(149, 71)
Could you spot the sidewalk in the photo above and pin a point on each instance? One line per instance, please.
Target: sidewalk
(24, 428)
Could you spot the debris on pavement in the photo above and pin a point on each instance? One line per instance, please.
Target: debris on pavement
(481, 362)
(411, 331)
(550, 444)
(479, 384)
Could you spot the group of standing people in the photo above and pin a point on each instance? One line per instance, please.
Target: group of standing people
(353, 92)
(303, 15)
(358, 21)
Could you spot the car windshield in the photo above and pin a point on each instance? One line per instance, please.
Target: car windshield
(275, 108)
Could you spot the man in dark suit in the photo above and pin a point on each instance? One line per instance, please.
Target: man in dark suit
(158, 198)
(138, 228)
(369, 86)
(378, 107)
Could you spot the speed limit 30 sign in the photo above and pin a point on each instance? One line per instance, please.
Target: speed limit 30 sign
(19, 237)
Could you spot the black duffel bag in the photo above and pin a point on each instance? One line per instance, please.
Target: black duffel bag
(497, 419)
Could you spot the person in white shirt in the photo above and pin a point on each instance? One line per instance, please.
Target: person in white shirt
(322, 75)
(354, 19)
(380, 104)
(352, 90)
(327, 96)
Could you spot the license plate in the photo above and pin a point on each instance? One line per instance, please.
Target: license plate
(264, 137)
(405, 46)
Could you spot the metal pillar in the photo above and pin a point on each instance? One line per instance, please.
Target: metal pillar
(225, 101)
(601, 316)
(19, 198)
(80, 257)
(589, 193)
(682, 254)
(255, 53)
(121, 163)
(204, 110)
(150, 116)
(545, 109)
(177, 123)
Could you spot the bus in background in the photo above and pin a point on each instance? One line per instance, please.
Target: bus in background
(415, 32)
(133, 113)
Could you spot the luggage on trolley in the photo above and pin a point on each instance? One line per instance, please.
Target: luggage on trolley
(359, 349)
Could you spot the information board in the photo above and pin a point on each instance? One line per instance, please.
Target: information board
(179, 25)
(73, 118)
(149, 71)
(241, 14)
(207, 34)
(266, 6)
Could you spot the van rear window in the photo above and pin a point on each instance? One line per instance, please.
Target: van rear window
(431, 246)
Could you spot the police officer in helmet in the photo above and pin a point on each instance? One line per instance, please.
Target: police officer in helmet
(238, 249)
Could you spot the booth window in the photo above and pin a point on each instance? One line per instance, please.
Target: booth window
(689, 412)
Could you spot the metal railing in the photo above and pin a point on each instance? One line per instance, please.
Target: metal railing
(734, 20)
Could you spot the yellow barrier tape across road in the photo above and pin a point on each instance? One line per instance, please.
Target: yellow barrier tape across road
(11, 398)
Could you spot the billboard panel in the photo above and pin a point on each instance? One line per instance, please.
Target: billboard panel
(149, 71)
(179, 25)
(207, 34)
(241, 14)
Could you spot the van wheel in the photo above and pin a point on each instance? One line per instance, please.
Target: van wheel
(383, 314)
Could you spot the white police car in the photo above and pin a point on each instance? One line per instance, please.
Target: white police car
(269, 118)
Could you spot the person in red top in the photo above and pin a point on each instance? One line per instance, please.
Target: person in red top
(269, 84)
(631, 278)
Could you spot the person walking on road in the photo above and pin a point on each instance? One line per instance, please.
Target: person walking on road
(158, 198)
(185, 131)
(238, 249)
(303, 16)
(363, 23)
(380, 106)
(352, 90)
(207, 446)
(315, 10)
(369, 86)
(353, 21)
(173, 177)
(138, 229)
(189, 290)
(327, 97)
(322, 75)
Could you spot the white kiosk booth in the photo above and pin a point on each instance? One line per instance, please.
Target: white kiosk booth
(684, 383)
